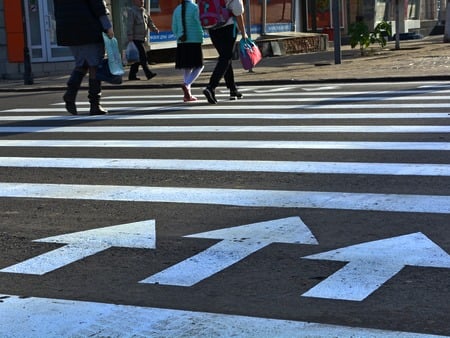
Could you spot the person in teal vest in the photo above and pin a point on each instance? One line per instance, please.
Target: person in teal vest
(189, 55)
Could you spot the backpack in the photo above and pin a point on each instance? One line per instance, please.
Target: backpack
(213, 13)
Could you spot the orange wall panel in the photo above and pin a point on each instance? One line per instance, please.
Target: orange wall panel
(14, 30)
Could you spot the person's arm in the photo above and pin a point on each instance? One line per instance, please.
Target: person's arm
(175, 24)
(107, 26)
(241, 25)
(130, 25)
(152, 26)
(237, 9)
(98, 7)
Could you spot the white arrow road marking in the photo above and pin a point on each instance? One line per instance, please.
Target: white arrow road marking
(231, 144)
(237, 243)
(372, 264)
(402, 169)
(86, 243)
(237, 197)
(34, 317)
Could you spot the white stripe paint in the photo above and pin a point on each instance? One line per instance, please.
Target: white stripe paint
(34, 317)
(235, 197)
(232, 129)
(281, 93)
(231, 105)
(250, 99)
(403, 169)
(268, 116)
(230, 144)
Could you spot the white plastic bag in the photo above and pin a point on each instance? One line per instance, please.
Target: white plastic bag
(113, 53)
(110, 69)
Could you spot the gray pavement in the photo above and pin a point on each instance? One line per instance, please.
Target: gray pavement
(424, 59)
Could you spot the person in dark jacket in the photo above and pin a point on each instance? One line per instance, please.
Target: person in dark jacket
(79, 25)
(223, 39)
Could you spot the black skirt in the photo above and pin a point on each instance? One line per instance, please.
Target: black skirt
(189, 55)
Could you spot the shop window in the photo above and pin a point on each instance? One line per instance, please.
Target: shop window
(384, 10)
(153, 5)
(323, 13)
(413, 10)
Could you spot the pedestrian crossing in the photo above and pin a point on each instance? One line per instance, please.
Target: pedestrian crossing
(327, 149)
(156, 126)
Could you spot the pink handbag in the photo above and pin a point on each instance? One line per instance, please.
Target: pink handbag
(249, 53)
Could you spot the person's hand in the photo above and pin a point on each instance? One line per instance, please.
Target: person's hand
(156, 30)
(110, 33)
(244, 35)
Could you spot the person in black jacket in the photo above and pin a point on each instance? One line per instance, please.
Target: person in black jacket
(79, 25)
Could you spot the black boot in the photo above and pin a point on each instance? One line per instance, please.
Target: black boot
(73, 85)
(95, 92)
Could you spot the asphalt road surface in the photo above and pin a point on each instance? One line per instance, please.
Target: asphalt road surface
(298, 211)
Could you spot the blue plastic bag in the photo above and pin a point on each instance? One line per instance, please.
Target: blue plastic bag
(104, 74)
(132, 53)
(113, 53)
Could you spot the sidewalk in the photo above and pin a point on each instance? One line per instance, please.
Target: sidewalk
(421, 60)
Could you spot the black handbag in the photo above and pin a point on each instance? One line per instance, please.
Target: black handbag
(104, 73)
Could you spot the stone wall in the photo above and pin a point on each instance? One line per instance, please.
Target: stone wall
(292, 44)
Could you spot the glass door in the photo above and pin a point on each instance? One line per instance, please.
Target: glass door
(42, 32)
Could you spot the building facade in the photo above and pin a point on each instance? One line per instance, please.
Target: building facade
(263, 17)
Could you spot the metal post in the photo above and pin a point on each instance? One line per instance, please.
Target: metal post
(264, 17)
(337, 32)
(397, 25)
(248, 19)
(313, 16)
(27, 75)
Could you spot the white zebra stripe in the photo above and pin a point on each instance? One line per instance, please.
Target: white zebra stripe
(268, 116)
(312, 100)
(232, 106)
(400, 169)
(47, 317)
(234, 197)
(268, 94)
(231, 144)
(231, 129)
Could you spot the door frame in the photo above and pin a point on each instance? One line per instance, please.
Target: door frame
(44, 49)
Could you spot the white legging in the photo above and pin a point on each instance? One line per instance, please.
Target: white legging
(191, 74)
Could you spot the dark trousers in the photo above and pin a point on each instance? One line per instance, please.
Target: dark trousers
(223, 39)
(142, 61)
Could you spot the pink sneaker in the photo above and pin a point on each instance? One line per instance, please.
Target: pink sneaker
(190, 99)
(186, 92)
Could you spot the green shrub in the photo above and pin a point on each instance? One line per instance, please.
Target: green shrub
(360, 34)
